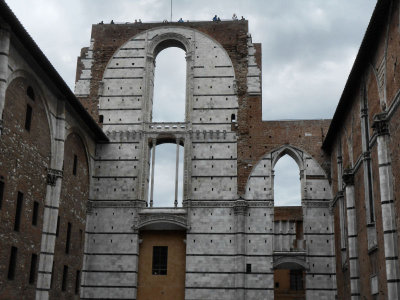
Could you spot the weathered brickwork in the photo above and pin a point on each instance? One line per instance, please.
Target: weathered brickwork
(266, 136)
(72, 210)
(369, 145)
(24, 159)
(42, 127)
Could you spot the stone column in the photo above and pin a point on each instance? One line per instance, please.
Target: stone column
(381, 129)
(50, 213)
(348, 179)
(47, 246)
(153, 158)
(4, 52)
(240, 210)
(176, 173)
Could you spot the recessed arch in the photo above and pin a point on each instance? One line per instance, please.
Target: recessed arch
(166, 40)
(287, 262)
(78, 132)
(287, 182)
(169, 88)
(168, 102)
(169, 43)
(291, 151)
(39, 96)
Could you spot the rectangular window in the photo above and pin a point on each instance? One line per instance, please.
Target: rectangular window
(58, 225)
(64, 279)
(1, 192)
(35, 213)
(160, 258)
(296, 280)
(75, 164)
(28, 117)
(13, 263)
(248, 268)
(33, 268)
(77, 281)
(68, 238)
(18, 211)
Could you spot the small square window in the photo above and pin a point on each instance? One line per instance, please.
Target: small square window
(35, 213)
(13, 263)
(248, 268)
(77, 281)
(64, 279)
(18, 211)
(160, 258)
(33, 269)
(1, 192)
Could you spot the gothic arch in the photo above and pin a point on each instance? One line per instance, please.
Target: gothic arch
(259, 184)
(292, 151)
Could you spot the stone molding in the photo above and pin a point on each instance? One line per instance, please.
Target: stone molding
(380, 124)
(240, 207)
(339, 195)
(348, 177)
(90, 205)
(227, 204)
(156, 217)
(317, 204)
(52, 175)
(292, 257)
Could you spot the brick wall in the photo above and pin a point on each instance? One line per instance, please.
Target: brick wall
(379, 84)
(24, 159)
(74, 195)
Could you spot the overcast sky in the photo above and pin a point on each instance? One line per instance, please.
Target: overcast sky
(308, 46)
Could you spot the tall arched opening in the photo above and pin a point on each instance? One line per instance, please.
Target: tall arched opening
(169, 96)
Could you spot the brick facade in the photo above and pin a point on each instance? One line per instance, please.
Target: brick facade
(23, 169)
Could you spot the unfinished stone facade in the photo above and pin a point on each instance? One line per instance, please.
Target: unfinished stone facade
(233, 244)
(76, 195)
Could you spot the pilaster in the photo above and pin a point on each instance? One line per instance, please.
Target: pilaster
(348, 179)
(381, 129)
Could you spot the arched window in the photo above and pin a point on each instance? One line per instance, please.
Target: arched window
(164, 189)
(287, 187)
(169, 96)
